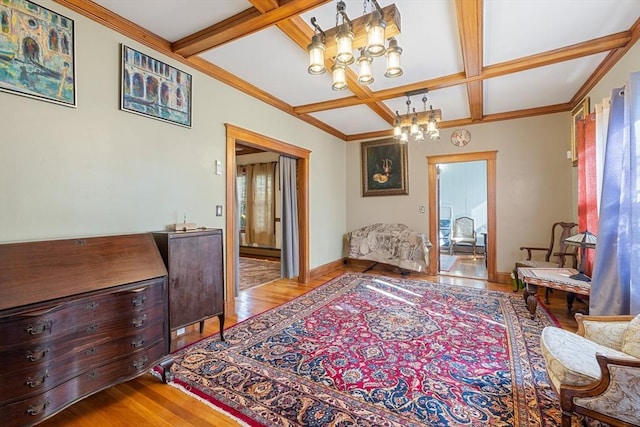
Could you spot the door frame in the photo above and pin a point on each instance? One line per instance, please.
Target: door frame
(246, 137)
(434, 211)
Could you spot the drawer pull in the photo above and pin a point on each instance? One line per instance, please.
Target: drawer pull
(40, 327)
(35, 382)
(139, 321)
(92, 305)
(90, 351)
(137, 342)
(36, 355)
(138, 300)
(140, 363)
(37, 409)
(91, 328)
(93, 375)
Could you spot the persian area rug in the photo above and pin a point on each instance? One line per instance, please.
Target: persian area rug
(255, 272)
(447, 262)
(366, 350)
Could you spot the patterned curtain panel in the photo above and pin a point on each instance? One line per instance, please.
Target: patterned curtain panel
(615, 287)
(260, 204)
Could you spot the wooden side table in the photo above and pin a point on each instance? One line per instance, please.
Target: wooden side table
(556, 278)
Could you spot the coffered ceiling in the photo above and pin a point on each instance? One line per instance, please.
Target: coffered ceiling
(481, 61)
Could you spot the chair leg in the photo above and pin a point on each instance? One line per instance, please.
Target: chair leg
(566, 419)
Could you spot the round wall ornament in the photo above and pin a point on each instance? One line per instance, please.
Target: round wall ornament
(460, 137)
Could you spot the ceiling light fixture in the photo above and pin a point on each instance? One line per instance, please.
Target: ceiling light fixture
(367, 34)
(417, 124)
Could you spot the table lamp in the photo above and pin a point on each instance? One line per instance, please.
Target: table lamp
(585, 240)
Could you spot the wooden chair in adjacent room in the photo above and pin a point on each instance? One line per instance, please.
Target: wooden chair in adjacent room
(463, 233)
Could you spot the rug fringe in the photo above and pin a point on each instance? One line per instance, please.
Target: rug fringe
(211, 405)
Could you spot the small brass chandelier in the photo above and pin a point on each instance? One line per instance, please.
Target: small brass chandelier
(418, 125)
(339, 42)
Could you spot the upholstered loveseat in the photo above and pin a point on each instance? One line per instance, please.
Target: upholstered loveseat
(393, 244)
(596, 371)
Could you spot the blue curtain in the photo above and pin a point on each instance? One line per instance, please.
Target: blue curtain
(615, 285)
(289, 265)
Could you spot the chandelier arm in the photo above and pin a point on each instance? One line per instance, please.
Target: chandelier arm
(342, 11)
(378, 8)
(317, 28)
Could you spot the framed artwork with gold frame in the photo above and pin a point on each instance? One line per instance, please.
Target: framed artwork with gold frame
(580, 112)
(384, 168)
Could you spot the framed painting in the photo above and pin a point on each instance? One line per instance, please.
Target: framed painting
(580, 112)
(37, 56)
(151, 88)
(384, 168)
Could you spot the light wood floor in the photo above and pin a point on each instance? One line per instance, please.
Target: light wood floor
(146, 401)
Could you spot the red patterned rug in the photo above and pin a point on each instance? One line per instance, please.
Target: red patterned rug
(366, 350)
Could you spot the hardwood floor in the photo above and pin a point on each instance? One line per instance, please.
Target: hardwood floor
(146, 401)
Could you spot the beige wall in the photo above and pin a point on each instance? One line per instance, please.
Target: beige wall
(534, 182)
(96, 170)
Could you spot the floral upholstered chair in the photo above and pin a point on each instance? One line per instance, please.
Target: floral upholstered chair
(596, 371)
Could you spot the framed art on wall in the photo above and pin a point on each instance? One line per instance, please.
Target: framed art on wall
(37, 52)
(580, 112)
(384, 168)
(152, 88)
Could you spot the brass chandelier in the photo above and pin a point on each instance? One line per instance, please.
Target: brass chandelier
(416, 124)
(367, 34)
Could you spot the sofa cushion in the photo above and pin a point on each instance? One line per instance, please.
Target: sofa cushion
(631, 339)
(570, 358)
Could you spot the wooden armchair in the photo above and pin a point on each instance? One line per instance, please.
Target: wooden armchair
(596, 372)
(557, 254)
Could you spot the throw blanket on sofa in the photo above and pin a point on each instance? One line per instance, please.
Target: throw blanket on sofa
(394, 244)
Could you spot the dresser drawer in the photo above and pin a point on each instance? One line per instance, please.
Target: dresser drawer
(31, 378)
(78, 316)
(35, 409)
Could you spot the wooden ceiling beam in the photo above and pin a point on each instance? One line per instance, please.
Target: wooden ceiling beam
(240, 25)
(519, 114)
(469, 14)
(117, 23)
(607, 64)
(265, 6)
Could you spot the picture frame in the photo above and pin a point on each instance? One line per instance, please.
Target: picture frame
(384, 168)
(152, 88)
(37, 53)
(580, 112)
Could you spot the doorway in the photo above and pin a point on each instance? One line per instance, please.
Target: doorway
(239, 136)
(462, 234)
(489, 158)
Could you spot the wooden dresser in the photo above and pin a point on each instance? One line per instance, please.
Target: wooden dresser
(77, 316)
(196, 278)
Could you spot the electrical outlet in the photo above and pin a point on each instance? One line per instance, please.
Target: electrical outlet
(421, 209)
(181, 331)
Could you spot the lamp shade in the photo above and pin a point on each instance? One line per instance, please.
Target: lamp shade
(583, 239)
(375, 34)
(339, 76)
(393, 59)
(365, 75)
(344, 41)
(316, 55)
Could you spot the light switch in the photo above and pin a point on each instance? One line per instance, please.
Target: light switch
(218, 169)
(218, 210)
